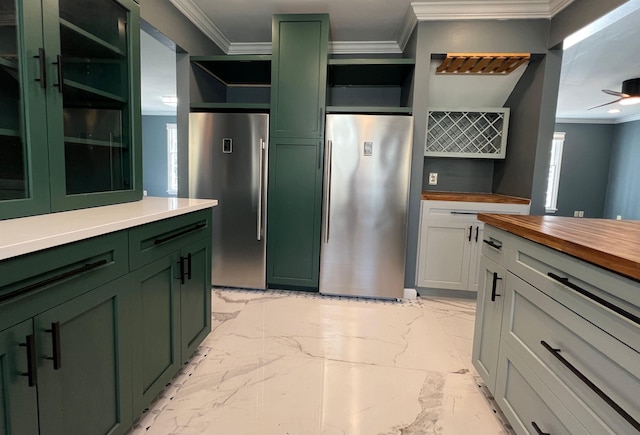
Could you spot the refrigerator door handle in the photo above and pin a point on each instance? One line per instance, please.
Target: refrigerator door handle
(259, 210)
(327, 189)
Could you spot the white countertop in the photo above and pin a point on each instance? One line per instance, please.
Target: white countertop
(24, 235)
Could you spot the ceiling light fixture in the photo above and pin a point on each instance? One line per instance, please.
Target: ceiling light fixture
(630, 101)
(614, 110)
(170, 100)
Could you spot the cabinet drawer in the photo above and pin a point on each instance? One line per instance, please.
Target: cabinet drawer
(27, 282)
(462, 210)
(494, 246)
(605, 299)
(527, 401)
(574, 359)
(156, 240)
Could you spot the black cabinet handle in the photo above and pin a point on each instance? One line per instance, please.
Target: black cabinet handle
(477, 233)
(493, 244)
(494, 286)
(470, 231)
(43, 68)
(181, 233)
(565, 281)
(32, 368)
(55, 345)
(60, 83)
(181, 269)
(592, 386)
(52, 280)
(189, 266)
(537, 428)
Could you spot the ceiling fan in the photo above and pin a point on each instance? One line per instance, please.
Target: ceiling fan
(630, 93)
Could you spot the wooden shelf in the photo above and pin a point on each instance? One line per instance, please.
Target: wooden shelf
(92, 46)
(237, 70)
(85, 141)
(9, 132)
(13, 64)
(370, 110)
(482, 63)
(230, 106)
(77, 91)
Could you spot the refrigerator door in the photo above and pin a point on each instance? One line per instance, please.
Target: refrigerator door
(228, 162)
(366, 192)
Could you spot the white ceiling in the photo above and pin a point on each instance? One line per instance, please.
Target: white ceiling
(606, 55)
(606, 52)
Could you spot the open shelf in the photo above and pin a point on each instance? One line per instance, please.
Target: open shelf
(74, 91)
(9, 132)
(230, 106)
(78, 42)
(85, 141)
(369, 72)
(371, 110)
(237, 70)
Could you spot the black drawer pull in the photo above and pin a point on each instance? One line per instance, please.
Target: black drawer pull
(592, 386)
(477, 232)
(180, 234)
(493, 244)
(565, 281)
(465, 212)
(189, 266)
(55, 345)
(470, 231)
(52, 280)
(32, 367)
(538, 430)
(495, 285)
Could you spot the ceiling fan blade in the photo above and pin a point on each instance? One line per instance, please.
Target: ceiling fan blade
(615, 93)
(605, 104)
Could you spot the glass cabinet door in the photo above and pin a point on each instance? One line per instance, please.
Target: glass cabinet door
(23, 159)
(94, 75)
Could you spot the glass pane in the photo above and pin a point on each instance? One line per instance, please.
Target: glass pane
(13, 173)
(95, 96)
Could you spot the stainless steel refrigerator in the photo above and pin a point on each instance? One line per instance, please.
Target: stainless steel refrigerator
(228, 162)
(366, 192)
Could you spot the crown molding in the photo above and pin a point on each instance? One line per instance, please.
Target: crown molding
(190, 10)
(364, 47)
(408, 24)
(250, 48)
(439, 10)
(629, 118)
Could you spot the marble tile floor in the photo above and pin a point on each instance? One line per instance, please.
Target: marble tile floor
(282, 363)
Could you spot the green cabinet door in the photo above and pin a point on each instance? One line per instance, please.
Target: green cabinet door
(195, 297)
(19, 413)
(93, 103)
(299, 75)
(84, 367)
(156, 335)
(295, 202)
(24, 168)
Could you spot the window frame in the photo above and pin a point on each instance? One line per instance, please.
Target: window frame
(553, 176)
(172, 158)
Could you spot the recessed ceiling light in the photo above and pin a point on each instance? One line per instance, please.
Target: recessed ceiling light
(629, 101)
(170, 101)
(614, 110)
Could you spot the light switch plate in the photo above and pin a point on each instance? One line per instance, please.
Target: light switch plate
(433, 178)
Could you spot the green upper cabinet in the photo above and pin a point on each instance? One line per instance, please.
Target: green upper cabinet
(299, 75)
(24, 171)
(70, 105)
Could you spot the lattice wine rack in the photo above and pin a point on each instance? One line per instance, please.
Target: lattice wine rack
(469, 133)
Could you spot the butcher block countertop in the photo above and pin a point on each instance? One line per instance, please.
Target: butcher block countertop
(473, 197)
(610, 244)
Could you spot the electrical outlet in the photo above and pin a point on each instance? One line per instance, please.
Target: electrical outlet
(581, 213)
(576, 213)
(618, 217)
(433, 178)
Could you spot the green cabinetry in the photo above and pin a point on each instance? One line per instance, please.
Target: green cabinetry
(69, 105)
(298, 92)
(172, 299)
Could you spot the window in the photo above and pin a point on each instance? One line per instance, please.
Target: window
(172, 159)
(553, 181)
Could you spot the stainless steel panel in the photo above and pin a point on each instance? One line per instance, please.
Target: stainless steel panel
(237, 179)
(368, 164)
